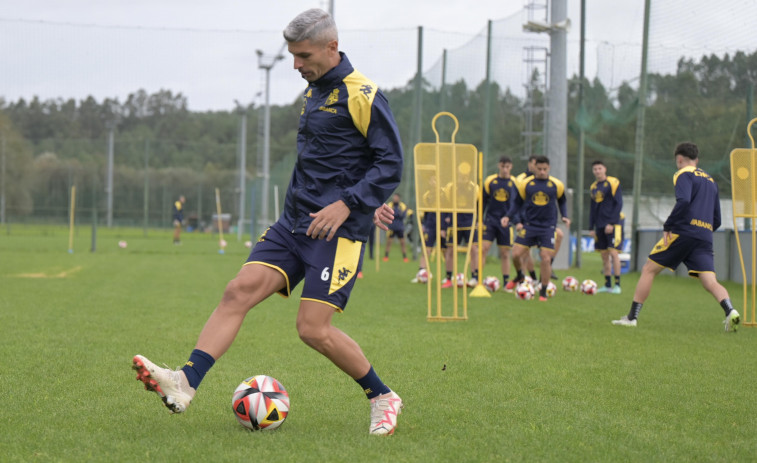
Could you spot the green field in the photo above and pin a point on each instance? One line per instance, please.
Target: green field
(518, 381)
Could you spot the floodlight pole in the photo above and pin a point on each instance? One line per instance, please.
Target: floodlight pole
(266, 63)
(2, 177)
(242, 167)
(111, 126)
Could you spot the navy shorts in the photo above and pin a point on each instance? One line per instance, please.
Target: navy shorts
(494, 231)
(395, 234)
(534, 236)
(606, 241)
(328, 267)
(429, 237)
(696, 254)
(463, 235)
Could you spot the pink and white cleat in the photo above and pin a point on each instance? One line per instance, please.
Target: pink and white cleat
(384, 411)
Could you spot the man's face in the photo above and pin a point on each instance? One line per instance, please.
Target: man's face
(504, 169)
(314, 60)
(532, 166)
(541, 171)
(396, 199)
(599, 171)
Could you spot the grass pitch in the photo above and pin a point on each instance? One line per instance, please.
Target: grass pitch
(518, 381)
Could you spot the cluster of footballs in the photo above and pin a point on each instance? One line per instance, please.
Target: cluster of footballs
(528, 288)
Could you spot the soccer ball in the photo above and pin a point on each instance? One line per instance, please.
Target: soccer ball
(260, 402)
(491, 283)
(122, 244)
(525, 291)
(460, 280)
(551, 289)
(589, 287)
(570, 284)
(422, 276)
(248, 244)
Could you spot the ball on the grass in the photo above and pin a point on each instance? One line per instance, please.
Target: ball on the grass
(589, 287)
(248, 244)
(122, 244)
(260, 403)
(491, 283)
(422, 276)
(460, 280)
(570, 284)
(525, 291)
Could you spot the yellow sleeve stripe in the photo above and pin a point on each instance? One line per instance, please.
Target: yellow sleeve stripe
(614, 184)
(685, 169)
(488, 181)
(559, 185)
(360, 94)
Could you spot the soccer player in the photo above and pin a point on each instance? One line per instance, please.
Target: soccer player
(397, 227)
(349, 162)
(535, 214)
(527, 260)
(499, 192)
(606, 223)
(687, 237)
(177, 214)
(428, 228)
(463, 231)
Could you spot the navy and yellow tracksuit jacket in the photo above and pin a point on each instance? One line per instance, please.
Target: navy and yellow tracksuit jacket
(697, 210)
(348, 148)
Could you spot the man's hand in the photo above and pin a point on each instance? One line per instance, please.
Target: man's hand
(609, 228)
(566, 221)
(383, 216)
(328, 220)
(505, 221)
(666, 236)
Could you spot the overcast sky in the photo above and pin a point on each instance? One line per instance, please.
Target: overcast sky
(206, 50)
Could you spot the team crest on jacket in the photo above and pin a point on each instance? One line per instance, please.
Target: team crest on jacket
(540, 198)
(333, 97)
(599, 197)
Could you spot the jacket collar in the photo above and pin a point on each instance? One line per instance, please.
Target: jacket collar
(337, 73)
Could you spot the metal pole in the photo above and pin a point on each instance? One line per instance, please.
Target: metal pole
(487, 97)
(266, 63)
(580, 180)
(639, 139)
(146, 194)
(415, 138)
(2, 177)
(557, 124)
(242, 170)
(443, 87)
(109, 180)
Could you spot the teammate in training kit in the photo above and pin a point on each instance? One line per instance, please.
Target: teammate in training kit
(527, 261)
(349, 162)
(463, 231)
(499, 193)
(535, 215)
(177, 218)
(428, 228)
(687, 237)
(606, 223)
(397, 227)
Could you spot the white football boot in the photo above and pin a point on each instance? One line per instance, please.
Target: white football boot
(624, 321)
(384, 411)
(170, 385)
(731, 322)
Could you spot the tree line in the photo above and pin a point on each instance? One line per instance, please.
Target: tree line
(49, 145)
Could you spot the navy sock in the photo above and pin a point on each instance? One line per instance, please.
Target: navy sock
(197, 366)
(726, 305)
(372, 385)
(505, 277)
(533, 275)
(608, 281)
(617, 280)
(633, 314)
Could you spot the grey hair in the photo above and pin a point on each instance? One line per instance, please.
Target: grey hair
(315, 25)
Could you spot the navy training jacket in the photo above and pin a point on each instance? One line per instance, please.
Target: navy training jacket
(348, 148)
